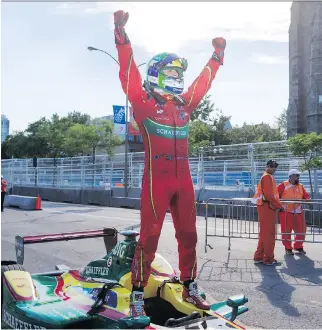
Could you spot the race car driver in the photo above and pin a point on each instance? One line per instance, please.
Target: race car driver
(162, 112)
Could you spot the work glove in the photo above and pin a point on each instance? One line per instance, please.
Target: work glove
(120, 19)
(219, 44)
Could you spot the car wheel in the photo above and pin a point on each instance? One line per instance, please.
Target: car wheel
(10, 265)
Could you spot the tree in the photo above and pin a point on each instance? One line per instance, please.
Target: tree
(16, 145)
(281, 123)
(76, 141)
(58, 128)
(57, 133)
(4, 149)
(207, 124)
(107, 140)
(83, 139)
(36, 135)
(204, 110)
(71, 135)
(77, 117)
(220, 134)
(254, 133)
(199, 136)
(308, 146)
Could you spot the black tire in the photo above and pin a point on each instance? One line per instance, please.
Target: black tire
(7, 265)
(10, 265)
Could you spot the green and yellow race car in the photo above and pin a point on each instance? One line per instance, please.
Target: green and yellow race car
(98, 295)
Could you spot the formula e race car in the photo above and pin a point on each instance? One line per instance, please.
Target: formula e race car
(98, 295)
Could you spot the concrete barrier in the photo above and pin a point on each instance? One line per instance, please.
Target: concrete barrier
(132, 192)
(115, 198)
(204, 194)
(21, 202)
(96, 197)
(25, 191)
(72, 196)
(49, 194)
(129, 203)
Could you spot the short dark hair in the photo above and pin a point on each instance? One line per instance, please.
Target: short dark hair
(272, 163)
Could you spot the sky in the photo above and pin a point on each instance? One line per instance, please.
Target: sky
(46, 67)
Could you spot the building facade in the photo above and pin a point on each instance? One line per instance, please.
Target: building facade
(304, 114)
(5, 123)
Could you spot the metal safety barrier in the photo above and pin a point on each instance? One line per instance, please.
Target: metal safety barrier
(238, 218)
(226, 168)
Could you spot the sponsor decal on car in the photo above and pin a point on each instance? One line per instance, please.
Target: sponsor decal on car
(101, 271)
(109, 262)
(119, 251)
(109, 300)
(15, 323)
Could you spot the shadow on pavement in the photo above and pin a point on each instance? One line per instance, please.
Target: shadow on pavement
(271, 281)
(278, 291)
(303, 268)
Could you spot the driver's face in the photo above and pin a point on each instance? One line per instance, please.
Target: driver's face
(171, 73)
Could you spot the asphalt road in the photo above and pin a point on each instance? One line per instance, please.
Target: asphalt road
(288, 296)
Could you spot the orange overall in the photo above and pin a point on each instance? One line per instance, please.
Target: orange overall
(292, 218)
(267, 200)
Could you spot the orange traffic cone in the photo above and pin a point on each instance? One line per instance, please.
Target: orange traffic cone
(38, 203)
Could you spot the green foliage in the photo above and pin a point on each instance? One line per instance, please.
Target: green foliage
(207, 124)
(205, 108)
(72, 135)
(254, 133)
(199, 135)
(77, 140)
(83, 139)
(308, 146)
(220, 135)
(281, 123)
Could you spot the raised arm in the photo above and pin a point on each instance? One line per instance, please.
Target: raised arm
(202, 83)
(129, 74)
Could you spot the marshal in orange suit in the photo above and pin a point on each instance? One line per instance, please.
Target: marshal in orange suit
(292, 218)
(268, 202)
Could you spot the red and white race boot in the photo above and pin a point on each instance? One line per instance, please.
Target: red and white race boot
(137, 304)
(192, 295)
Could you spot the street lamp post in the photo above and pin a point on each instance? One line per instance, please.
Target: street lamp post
(126, 122)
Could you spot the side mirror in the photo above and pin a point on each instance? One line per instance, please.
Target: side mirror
(236, 301)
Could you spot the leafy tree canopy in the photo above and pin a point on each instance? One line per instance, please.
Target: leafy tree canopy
(72, 135)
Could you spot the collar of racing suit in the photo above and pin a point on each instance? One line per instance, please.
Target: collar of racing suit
(160, 99)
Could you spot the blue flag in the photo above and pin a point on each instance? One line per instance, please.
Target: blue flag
(119, 114)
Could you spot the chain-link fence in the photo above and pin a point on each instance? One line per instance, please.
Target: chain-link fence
(233, 167)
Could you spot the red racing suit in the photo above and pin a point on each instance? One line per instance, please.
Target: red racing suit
(166, 179)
